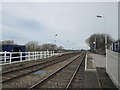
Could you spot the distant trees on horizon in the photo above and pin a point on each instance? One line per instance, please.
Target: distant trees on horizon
(34, 45)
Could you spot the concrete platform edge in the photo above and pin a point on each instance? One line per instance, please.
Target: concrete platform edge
(91, 78)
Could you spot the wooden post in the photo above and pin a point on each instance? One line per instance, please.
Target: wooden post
(35, 55)
(5, 56)
(10, 57)
(29, 56)
(20, 56)
(47, 54)
(41, 55)
(53, 53)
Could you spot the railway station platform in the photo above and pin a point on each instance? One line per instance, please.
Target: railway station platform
(88, 74)
(95, 72)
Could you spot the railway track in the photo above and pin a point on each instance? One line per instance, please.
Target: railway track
(23, 71)
(19, 66)
(16, 66)
(77, 80)
(63, 77)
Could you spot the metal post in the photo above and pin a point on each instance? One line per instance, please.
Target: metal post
(99, 16)
(95, 43)
(105, 34)
(73, 45)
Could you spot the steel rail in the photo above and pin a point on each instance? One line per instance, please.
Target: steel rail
(30, 66)
(73, 76)
(49, 76)
(33, 70)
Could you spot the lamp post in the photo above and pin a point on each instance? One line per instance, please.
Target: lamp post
(55, 36)
(73, 45)
(68, 43)
(94, 43)
(100, 16)
(55, 40)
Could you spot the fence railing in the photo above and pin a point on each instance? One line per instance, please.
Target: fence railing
(14, 57)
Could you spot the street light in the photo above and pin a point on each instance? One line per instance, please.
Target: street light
(73, 45)
(56, 36)
(100, 16)
(55, 39)
(94, 43)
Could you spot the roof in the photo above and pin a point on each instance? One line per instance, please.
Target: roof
(12, 45)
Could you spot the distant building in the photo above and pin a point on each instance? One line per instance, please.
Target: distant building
(116, 46)
(12, 48)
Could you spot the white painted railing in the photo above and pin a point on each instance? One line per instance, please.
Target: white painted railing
(14, 57)
(112, 66)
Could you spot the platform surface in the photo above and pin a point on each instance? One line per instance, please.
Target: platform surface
(104, 79)
(100, 60)
(91, 79)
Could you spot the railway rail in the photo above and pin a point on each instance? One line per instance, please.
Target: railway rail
(77, 80)
(63, 77)
(23, 71)
(16, 66)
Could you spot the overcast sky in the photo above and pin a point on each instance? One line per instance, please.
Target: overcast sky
(73, 22)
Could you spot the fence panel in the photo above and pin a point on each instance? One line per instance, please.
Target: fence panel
(14, 57)
(112, 66)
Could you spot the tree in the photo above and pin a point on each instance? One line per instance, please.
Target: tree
(32, 46)
(97, 41)
(7, 42)
(49, 47)
(60, 48)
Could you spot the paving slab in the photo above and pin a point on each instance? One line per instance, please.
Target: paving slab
(91, 80)
(90, 77)
(104, 79)
(100, 60)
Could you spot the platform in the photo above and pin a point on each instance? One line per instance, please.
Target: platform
(95, 72)
(100, 60)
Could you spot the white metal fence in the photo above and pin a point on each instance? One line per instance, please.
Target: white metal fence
(112, 66)
(14, 57)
